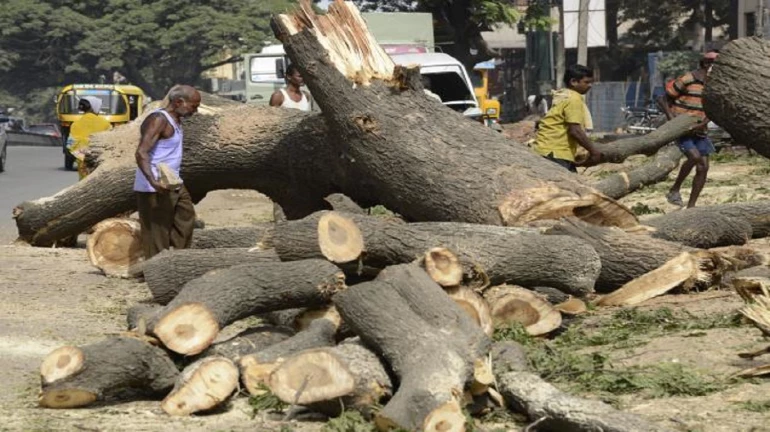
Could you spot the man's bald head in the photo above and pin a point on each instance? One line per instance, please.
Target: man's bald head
(183, 100)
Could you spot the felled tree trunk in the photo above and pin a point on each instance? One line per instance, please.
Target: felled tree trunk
(649, 144)
(620, 184)
(329, 235)
(259, 235)
(756, 213)
(202, 386)
(701, 229)
(248, 341)
(257, 366)
(346, 377)
(280, 153)
(120, 367)
(501, 254)
(624, 256)
(427, 397)
(441, 167)
(732, 99)
(190, 322)
(167, 272)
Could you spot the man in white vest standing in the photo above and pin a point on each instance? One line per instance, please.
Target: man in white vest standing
(292, 95)
(166, 211)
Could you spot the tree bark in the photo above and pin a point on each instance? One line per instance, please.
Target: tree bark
(619, 150)
(703, 229)
(427, 397)
(330, 380)
(439, 168)
(121, 367)
(167, 272)
(731, 98)
(624, 256)
(257, 366)
(248, 341)
(554, 410)
(499, 254)
(755, 213)
(327, 234)
(657, 169)
(279, 153)
(259, 235)
(202, 386)
(190, 322)
(342, 203)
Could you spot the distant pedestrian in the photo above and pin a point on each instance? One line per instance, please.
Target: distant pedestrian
(166, 211)
(684, 95)
(561, 131)
(292, 96)
(83, 128)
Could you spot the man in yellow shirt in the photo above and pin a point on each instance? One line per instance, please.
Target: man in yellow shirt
(82, 129)
(561, 130)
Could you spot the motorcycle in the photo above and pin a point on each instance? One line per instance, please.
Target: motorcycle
(643, 120)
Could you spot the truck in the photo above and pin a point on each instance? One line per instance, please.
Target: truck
(406, 37)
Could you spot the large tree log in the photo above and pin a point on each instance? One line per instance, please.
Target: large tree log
(441, 167)
(649, 144)
(427, 398)
(167, 272)
(257, 366)
(259, 235)
(756, 213)
(624, 256)
(733, 98)
(502, 254)
(620, 184)
(702, 229)
(346, 377)
(280, 153)
(248, 341)
(121, 367)
(190, 322)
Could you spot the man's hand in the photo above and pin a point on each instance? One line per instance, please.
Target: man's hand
(160, 187)
(594, 158)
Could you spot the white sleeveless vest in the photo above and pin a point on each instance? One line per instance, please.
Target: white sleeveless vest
(302, 105)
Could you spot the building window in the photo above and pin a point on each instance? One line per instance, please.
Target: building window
(751, 23)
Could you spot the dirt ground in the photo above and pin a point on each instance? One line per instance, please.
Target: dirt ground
(53, 297)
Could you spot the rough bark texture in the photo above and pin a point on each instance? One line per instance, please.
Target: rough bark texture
(123, 368)
(234, 237)
(409, 345)
(348, 376)
(622, 183)
(756, 213)
(701, 229)
(257, 366)
(441, 167)
(555, 411)
(624, 256)
(138, 312)
(224, 296)
(649, 144)
(342, 203)
(280, 153)
(313, 237)
(167, 272)
(732, 99)
(503, 254)
(248, 341)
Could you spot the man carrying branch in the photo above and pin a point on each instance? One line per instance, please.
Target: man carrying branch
(561, 130)
(684, 95)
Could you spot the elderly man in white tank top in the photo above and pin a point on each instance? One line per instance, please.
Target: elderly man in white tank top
(292, 96)
(166, 212)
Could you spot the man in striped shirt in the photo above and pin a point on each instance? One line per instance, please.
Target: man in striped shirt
(684, 95)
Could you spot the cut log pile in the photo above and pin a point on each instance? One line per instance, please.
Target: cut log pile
(366, 310)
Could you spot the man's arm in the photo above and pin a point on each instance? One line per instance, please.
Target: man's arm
(152, 128)
(664, 102)
(576, 131)
(276, 99)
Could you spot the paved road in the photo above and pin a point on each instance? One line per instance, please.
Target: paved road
(30, 173)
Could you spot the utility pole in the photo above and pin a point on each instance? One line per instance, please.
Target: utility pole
(560, 67)
(582, 40)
